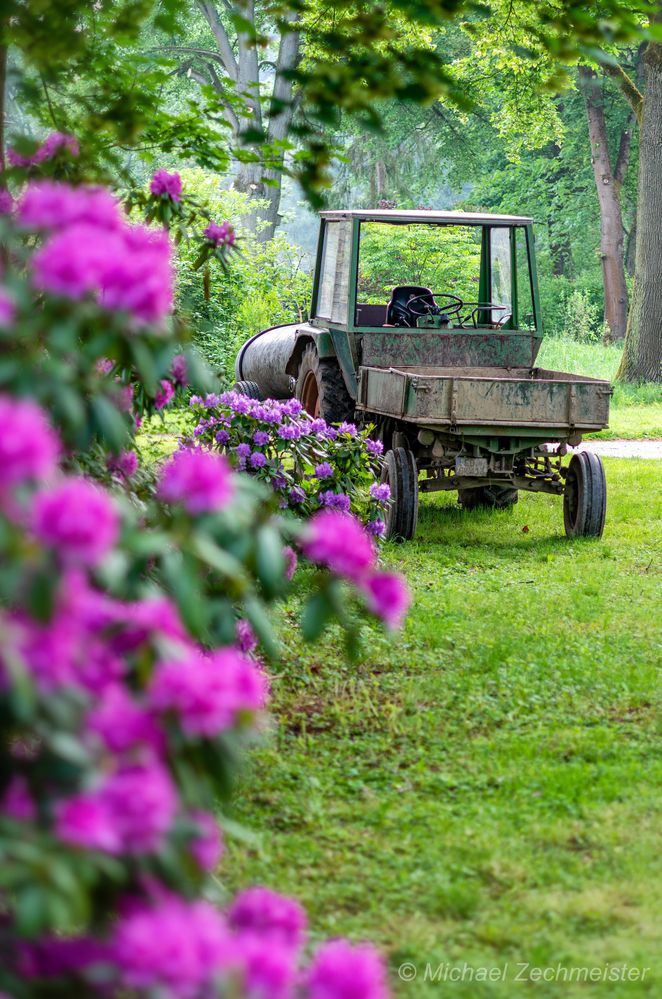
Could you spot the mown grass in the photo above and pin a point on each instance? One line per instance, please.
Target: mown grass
(484, 787)
(635, 410)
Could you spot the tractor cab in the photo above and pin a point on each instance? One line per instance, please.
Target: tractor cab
(456, 273)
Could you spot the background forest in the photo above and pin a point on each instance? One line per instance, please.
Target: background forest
(268, 121)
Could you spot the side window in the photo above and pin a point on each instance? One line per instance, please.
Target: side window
(333, 294)
(526, 319)
(501, 270)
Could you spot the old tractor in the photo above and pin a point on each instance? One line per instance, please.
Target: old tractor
(427, 325)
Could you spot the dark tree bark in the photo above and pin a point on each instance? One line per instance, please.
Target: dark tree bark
(608, 182)
(642, 355)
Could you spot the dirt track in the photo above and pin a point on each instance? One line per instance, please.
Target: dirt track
(624, 449)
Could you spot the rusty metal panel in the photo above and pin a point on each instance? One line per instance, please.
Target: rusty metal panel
(535, 398)
(455, 348)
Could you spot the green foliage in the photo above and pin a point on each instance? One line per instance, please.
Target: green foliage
(265, 285)
(445, 259)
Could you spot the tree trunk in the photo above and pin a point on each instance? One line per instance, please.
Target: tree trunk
(612, 233)
(642, 356)
(3, 98)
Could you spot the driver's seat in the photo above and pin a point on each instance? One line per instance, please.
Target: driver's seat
(396, 310)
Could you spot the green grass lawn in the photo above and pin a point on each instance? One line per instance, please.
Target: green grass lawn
(485, 787)
(635, 411)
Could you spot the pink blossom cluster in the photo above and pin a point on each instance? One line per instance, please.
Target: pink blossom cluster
(90, 250)
(338, 541)
(166, 183)
(46, 151)
(220, 235)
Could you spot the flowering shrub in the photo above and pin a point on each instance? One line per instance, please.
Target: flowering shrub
(308, 463)
(127, 623)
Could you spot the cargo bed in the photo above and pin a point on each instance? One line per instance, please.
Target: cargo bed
(485, 397)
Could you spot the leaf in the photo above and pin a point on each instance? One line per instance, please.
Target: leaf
(110, 423)
(269, 560)
(317, 613)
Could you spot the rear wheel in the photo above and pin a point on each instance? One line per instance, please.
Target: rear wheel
(321, 389)
(251, 389)
(400, 473)
(585, 496)
(488, 497)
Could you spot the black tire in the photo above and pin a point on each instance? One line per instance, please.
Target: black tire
(321, 388)
(488, 497)
(400, 472)
(585, 496)
(251, 389)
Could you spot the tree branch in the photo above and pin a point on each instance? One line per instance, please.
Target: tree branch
(220, 34)
(627, 87)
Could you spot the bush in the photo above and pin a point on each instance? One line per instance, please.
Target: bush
(265, 286)
(126, 690)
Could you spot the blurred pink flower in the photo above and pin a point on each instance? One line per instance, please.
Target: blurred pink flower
(167, 183)
(54, 142)
(338, 541)
(273, 917)
(291, 561)
(142, 802)
(208, 692)
(120, 723)
(29, 447)
(198, 480)
(220, 235)
(166, 393)
(179, 370)
(388, 597)
(86, 821)
(174, 948)
(17, 802)
(125, 463)
(341, 970)
(77, 519)
(48, 204)
(7, 309)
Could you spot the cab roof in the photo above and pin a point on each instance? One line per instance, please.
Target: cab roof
(430, 216)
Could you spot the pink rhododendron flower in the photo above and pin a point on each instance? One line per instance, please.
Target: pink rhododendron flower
(46, 151)
(291, 561)
(198, 480)
(264, 913)
(165, 394)
(120, 723)
(104, 365)
(167, 183)
(140, 279)
(338, 541)
(6, 202)
(125, 463)
(269, 971)
(173, 948)
(86, 821)
(74, 263)
(78, 520)
(55, 956)
(29, 447)
(142, 801)
(48, 204)
(343, 971)
(220, 235)
(207, 846)
(246, 639)
(17, 802)
(179, 370)
(123, 398)
(208, 692)
(388, 597)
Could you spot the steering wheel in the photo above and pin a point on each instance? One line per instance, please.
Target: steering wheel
(410, 311)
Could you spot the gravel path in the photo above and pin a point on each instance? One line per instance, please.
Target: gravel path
(623, 449)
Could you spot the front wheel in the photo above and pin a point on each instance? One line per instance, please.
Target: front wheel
(585, 496)
(400, 473)
(321, 390)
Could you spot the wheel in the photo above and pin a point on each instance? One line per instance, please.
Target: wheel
(585, 496)
(251, 389)
(321, 389)
(488, 497)
(400, 472)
